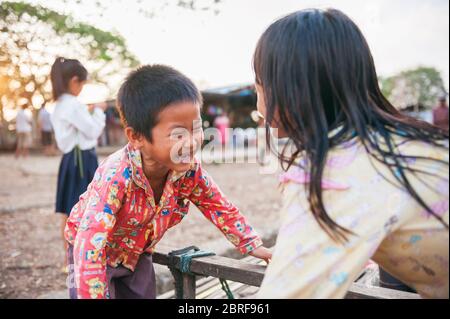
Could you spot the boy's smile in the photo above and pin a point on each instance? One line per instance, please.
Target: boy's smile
(176, 138)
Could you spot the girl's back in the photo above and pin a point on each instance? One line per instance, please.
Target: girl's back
(384, 197)
(74, 125)
(388, 224)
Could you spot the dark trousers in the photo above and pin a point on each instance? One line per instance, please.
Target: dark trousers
(122, 282)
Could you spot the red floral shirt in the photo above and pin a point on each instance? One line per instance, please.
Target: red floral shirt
(117, 219)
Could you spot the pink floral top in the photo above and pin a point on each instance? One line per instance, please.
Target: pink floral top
(117, 219)
(390, 228)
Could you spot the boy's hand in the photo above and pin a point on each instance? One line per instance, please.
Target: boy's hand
(262, 253)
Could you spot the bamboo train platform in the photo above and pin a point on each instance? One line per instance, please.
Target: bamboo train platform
(244, 277)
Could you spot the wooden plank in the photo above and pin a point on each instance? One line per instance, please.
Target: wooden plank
(356, 291)
(207, 285)
(233, 270)
(370, 275)
(370, 278)
(207, 288)
(167, 295)
(246, 292)
(201, 284)
(212, 288)
(359, 291)
(217, 266)
(212, 285)
(189, 286)
(204, 287)
(220, 294)
(249, 272)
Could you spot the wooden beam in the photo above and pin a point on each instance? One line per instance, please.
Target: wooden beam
(359, 291)
(189, 287)
(217, 266)
(251, 274)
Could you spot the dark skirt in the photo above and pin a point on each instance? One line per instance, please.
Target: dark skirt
(73, 178)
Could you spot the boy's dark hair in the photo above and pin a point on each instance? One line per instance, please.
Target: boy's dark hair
(147, 91)
(62, 71)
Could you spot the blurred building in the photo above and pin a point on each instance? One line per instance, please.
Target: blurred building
(237, 101)
(419, 111)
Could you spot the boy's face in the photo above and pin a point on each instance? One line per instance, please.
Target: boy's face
(176, 137)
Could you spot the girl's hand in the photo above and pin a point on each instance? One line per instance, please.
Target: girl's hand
(262, 253)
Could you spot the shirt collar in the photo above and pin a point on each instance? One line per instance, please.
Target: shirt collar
(137, 172)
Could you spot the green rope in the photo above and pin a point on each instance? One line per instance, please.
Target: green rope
(79, 160)
(226, 288)
(186, 259)
(186, 255)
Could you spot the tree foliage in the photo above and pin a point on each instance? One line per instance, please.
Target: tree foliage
(419, 86)
(33, 36)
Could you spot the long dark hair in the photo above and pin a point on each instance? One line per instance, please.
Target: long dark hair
(62, 71)
(318, 77)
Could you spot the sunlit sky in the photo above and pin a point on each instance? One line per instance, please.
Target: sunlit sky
(216, 50)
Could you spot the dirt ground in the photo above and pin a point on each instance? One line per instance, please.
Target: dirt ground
(31, 248)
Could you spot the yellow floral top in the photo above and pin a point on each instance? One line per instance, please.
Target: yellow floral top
(391, 228)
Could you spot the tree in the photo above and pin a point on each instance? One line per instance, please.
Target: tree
(147, 8)
(33, 36)
(420, 86)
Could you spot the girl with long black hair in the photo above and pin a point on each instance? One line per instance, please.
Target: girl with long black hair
(362, 180)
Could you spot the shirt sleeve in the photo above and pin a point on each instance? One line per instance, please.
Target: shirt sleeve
(97, 209)
(91, 125)
(210, 200)
(307, 263)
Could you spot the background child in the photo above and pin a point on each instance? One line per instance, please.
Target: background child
(145, 188)
(76, 132)
(364, 181)
(46, 129)
(23, 130)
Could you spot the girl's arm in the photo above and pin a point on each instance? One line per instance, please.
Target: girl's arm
(91, 125)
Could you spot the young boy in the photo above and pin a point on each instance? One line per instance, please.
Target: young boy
(144, 189)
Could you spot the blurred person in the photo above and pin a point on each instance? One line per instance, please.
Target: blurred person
(115, 131)
(222, 123)
(77, 129)
(440, 114)
(46, 129)
(23, 129)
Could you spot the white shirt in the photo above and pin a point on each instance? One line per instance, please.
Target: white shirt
(75, 125)
(23, 122)
(44, 120)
